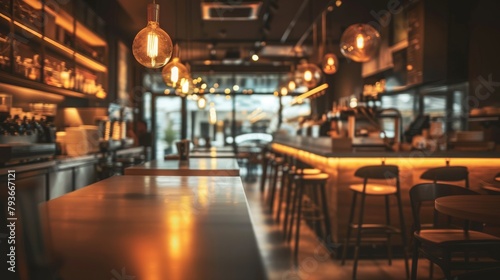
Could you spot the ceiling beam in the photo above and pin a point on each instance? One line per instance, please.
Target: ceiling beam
(294, 21)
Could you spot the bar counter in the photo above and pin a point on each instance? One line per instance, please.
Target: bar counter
(149, 227)
(341, 166)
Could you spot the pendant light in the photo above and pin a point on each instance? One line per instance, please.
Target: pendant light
(360, 42)
(152, 47)
(212, 114)
(330, 63)
(308, 74)
(174, 73)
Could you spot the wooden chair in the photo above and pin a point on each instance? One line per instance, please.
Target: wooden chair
(439, 244)
(447, 174)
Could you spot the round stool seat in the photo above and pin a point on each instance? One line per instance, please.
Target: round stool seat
(374, 189)
(305, 171)
(313, 177)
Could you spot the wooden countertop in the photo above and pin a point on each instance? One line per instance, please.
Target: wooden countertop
(155, 228)
(192, 167)
(211, 154)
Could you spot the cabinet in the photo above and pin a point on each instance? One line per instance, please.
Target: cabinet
(58, 45)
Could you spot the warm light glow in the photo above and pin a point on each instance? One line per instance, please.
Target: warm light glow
(152, 50)
(203, 86)
(338, 3)
(174, 74)
(236, 88)
(202, 103)
(284, 91)
(255, 57)
(291, 85)
(212, 117)
(227, 91)
(185, 86)
(330, 61)
(298, 99)
(212, 90)
(308, 75)
(353, 103)
(360, 41)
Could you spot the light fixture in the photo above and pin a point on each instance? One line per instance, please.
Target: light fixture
(185, 85)
(202, 102)
(152, 47)
(360, 42)
(174, 73)
(308, 74)
(236, 87)
(212, 115)
(284, 91)
(255, 57)
(330, 63)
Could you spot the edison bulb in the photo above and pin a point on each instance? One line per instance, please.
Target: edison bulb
(330, 63)
(152, 47)
(360, 42)
(185, 85)
(174, 73)
(308, 74)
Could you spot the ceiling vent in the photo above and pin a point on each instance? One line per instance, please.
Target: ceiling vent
(230, 10)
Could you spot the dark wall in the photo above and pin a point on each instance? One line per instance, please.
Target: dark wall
(347, 80)
(484, 55)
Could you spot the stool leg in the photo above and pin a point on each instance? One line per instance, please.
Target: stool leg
(287, 203)
(358, 236)
(273, 188)
(348, 236)
(294, 204)
(403, 231)
(264, 173)
(388, 222)
(297, 231)
(318, 226)
(326, 216)
(284, 176)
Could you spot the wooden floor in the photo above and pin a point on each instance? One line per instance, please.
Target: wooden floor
(312, 263)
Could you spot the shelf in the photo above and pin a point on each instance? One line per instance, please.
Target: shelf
(18, 81)
(58, 40)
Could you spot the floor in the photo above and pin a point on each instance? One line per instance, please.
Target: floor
(313, 261)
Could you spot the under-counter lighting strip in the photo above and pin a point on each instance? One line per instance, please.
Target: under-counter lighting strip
(59, 46)
(305, 95)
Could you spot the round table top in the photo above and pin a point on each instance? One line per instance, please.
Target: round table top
(481, 208)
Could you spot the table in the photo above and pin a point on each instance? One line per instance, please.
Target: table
(155, 228)
(192, 167)
(481, 208)
(211, 154)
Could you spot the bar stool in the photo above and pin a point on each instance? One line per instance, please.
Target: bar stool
(290, 170)
(266, 156)
(277, 161)
(380, 172)
(314, 186)
(447, 174)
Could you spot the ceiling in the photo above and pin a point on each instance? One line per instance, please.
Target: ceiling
(227, 45)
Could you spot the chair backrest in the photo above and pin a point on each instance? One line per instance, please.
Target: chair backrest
(429, 192)
(378, 172)
(447, 174)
